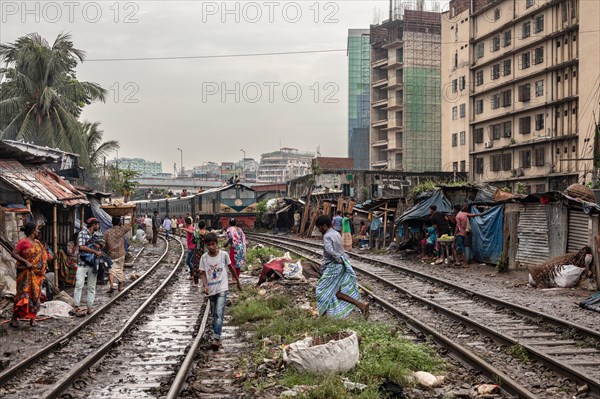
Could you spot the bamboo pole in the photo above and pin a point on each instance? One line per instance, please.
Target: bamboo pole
(82, 216)
(55, 243)
(371, 231)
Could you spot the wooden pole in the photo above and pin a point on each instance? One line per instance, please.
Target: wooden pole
(371, 231)
(82, 216)
(55, 243)
(28, 204)
(385, 218)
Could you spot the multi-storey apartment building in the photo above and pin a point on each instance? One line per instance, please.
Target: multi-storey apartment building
(533, 90)
(143, 167)
(406, 93)
(359, 104)
(456, 111)
(283, 165)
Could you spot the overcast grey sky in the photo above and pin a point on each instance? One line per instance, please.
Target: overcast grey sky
(158, 105)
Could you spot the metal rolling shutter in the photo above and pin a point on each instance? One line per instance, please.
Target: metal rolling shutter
(578, 230)
(532, 232)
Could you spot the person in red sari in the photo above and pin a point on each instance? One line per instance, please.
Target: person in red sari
(31, 256)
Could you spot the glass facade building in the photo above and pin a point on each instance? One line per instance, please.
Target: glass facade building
(359, 104)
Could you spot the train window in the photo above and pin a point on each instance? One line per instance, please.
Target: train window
(228, 194)
(246, 194)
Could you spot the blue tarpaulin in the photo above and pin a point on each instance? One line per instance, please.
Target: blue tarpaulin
(421, 210)
(486, 231)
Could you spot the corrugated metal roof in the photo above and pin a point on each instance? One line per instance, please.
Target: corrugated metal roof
(40, 184)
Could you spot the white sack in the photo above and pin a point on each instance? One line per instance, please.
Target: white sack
(55, 309)
(332, 357)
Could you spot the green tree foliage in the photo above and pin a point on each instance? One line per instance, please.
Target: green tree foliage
(41, 98)
(95, 150)
(122, 182)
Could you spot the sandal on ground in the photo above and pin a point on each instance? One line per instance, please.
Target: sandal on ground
(14, 324)
(215, 345)
(110, 291)
(90, 310)
(120, 286)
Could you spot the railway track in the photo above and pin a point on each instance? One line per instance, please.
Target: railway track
(481, 327)
(137, 345)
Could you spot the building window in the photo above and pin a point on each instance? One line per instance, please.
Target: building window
(495, 131)
(479, 49)
(479, 166)
(539, 122)
(463, 166)
(539, 88)
(496, 163)
(454, 139)
(525, 159)
(507, 129)
(461, 83)
(524, 60)
(525, 92)
(529, 3)
(495, 71)
(506, 67)
(462, 110)
(538, 57)
(454, 113)
(507, 161)
(507, 38)
(454, 86)
(495, 43)
(455, 60)
(479, 106)
(506, 98)
(539, 156)
(479, 78)
(525, 30)
(525, 125)
(462, 138)
(496, 14)
(478, 135)
(495, 101)
(539, 23)
(540, 188)
(455, 166)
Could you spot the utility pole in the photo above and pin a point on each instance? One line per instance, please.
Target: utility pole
(181, 164)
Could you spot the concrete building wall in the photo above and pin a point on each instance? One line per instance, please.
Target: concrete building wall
(455, 82)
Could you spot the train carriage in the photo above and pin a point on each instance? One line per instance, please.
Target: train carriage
(215, 206)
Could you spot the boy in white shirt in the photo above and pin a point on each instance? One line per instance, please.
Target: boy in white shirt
(213, 268)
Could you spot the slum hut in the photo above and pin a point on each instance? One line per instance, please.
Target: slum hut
(385, 208)
(541, 226)
(50, 201)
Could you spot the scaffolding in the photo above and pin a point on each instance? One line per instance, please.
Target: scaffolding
(407, 50)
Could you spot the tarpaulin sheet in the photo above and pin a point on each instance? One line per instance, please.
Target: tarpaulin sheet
(421, 210)
(486, 231)
(104, 218)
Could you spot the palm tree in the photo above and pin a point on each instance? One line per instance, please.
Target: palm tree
(41, 95)
(96, 149)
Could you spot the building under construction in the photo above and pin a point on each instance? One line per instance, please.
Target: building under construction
(405, 131)
(359, 102)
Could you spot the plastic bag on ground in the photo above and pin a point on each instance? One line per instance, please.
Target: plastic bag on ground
(293, 271)
(339, 354)
(568, 276)
(55, 309)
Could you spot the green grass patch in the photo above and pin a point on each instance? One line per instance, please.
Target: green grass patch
(519, 352)
(252, 309)
(384, 354)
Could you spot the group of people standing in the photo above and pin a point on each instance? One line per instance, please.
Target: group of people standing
(459, 225)
(32, 258)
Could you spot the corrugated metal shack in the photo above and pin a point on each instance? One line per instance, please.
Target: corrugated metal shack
(27, 184)
(540, 226)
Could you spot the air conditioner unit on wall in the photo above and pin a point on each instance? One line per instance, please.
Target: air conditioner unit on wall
(489, 144)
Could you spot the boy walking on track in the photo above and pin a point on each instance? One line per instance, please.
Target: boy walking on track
(213, 268)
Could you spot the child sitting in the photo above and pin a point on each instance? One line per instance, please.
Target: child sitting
(428, 243)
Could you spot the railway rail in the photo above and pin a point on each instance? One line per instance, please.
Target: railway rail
(138, 344)
(461, 318)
